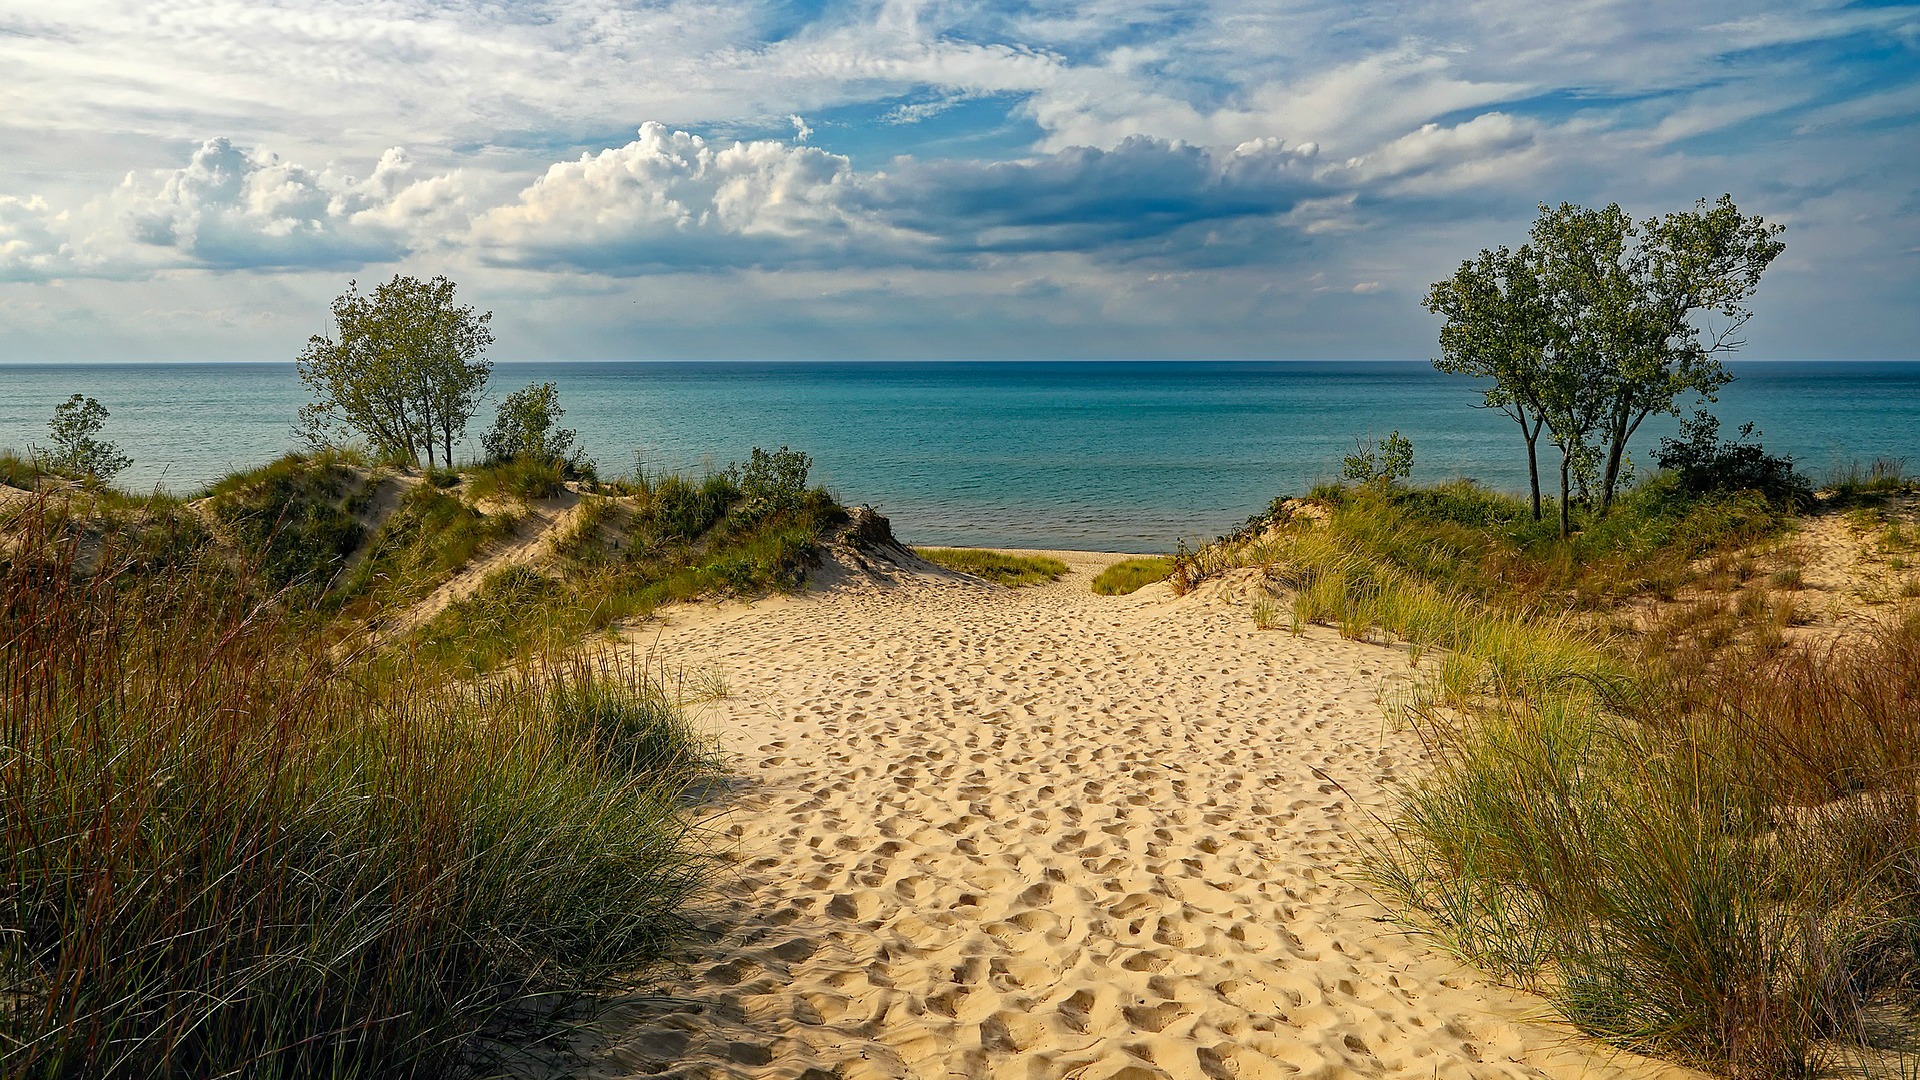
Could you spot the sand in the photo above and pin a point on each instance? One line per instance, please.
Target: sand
(990, 832)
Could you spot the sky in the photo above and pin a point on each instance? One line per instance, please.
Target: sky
(754, 179)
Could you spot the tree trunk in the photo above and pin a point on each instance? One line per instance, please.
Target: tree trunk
(1533, 467)
(1617, 432)
(1566, 461)
(1617, 455)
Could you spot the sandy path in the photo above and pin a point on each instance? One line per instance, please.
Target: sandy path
(1041, 833)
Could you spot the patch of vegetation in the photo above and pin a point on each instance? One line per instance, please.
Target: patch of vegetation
(431, 534)
(294, 518)
(518, 479)
(1871, 483)
(228, 854)
(1130, 575)
(1696, 837)
(651, 541)
(1701, 462)
(998, 567)
(19, 470)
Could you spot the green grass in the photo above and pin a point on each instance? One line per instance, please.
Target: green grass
(665, 540)
(228, 854)
(19, 470)
(1129, 575)
(1871, 482)
(996, 566)
(516, 479)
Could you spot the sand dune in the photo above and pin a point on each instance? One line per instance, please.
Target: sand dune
(1041, 833)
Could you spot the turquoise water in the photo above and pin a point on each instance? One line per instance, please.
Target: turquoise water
(1093, 455)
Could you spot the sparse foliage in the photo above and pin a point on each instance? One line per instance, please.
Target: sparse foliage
(1383, 464)
(404, 370)
(76, 451)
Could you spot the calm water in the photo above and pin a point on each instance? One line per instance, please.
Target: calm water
(1108, 456)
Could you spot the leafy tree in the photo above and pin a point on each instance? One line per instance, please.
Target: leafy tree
(404, 370)
(1391, 460)
(1678, 295)
(524, 426)
(75, 451)
(1598, 323)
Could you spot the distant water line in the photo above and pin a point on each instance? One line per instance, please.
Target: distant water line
(1123, 456)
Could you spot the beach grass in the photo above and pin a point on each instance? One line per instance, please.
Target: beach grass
(1130, 575)
(999, 567)
(229, 853)
(1697, 839)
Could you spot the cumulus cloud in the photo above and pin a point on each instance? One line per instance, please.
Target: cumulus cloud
(32, 243)
(672, 200)
(232, 208)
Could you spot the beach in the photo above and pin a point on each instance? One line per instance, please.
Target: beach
(991, 832)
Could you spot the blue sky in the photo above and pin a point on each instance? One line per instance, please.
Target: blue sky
(194, 179)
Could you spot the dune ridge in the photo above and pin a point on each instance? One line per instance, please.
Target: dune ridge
(991, 832)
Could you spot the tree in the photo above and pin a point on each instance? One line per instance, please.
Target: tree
(1634, 295)
(75, 451)
(524, 426)
(1591, 326)
(405, 370)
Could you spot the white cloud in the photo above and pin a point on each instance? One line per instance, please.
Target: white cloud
(231, 208)
(670, 200)
(32, 243)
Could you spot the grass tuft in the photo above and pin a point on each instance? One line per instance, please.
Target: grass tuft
(999, 567)
(1131, 575)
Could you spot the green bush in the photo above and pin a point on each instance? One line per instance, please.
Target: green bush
(1703, 463)
(770, 483)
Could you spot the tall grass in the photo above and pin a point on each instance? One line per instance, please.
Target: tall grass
(224, 854)
(1700, 841)
(662, 539)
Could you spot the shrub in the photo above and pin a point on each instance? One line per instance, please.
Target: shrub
(1391, 460)
(770, 483)
(1129, 575)
(526, 425)
(1702, 462)
(76, 452)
